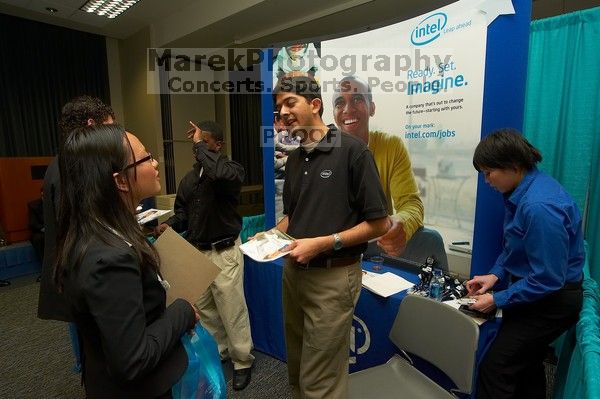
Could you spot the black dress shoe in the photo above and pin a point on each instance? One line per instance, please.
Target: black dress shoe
(241, 378)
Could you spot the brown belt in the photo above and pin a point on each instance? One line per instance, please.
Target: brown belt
(326, 263)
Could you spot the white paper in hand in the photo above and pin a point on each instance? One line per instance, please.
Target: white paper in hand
(151, 214)
(267, 246)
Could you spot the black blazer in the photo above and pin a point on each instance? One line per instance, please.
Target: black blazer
(51, 304)
(131, 344)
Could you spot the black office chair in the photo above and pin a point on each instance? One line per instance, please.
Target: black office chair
(425, 242)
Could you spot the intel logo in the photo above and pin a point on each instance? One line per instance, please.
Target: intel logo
(326, 174)
(429, 29)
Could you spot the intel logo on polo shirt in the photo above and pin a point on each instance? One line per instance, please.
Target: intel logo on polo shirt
(429, 29)
(325, 174)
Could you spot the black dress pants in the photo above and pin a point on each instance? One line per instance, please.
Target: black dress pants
(513, 367)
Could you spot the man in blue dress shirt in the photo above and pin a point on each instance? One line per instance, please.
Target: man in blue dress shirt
(542, 260)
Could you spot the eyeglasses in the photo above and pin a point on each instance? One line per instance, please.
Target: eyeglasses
(148, 157)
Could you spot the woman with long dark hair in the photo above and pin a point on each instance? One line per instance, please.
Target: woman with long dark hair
(110, 274)
(542, 261)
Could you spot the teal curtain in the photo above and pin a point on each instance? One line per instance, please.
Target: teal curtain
(562, 110)
(252, 225)
(577, 373)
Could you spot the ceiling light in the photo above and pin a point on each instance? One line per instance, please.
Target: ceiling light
(51, 10)
(107, 8)
(320, 13)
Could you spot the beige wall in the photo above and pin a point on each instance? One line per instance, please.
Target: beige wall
(186, 107)
(114, 78)
(222, 114)
(550, 8)
(141, 111)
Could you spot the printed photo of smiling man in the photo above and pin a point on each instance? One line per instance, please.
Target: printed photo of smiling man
(353, 106)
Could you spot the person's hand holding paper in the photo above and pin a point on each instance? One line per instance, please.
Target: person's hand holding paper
(268, 245)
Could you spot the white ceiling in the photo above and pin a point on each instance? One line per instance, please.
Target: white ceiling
(245, 23)
(69, 15)
(227, 23)
(276, 22)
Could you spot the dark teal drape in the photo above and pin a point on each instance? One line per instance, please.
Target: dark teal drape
(42, 67)
(562, 111)
(562, 119)
(577, 373)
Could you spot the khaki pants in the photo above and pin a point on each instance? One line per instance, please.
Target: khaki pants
(318, 306)
(223, 310)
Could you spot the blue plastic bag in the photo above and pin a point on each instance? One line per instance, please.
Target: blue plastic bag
(203, 378)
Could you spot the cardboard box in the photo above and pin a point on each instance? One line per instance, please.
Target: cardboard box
(166, 201)
(186, 271)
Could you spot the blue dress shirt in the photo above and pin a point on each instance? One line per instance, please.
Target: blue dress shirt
(543, 241)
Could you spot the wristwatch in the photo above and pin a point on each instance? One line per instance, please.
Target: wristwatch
(337, 242)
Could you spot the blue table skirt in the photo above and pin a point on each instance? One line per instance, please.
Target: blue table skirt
(373, 318)
(18, 260)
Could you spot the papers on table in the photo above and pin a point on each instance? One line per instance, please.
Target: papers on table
(151, 214)
(267, 246)
(385, 284)
(455, 303)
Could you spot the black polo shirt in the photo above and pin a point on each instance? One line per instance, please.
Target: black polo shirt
(332, 189)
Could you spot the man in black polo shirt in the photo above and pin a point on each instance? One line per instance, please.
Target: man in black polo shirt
(333, 204)
(205, 206)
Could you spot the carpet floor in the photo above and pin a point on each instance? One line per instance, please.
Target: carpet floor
(36, 360)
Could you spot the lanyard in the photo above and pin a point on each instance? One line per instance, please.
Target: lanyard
(165, 284)
(115, 232)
